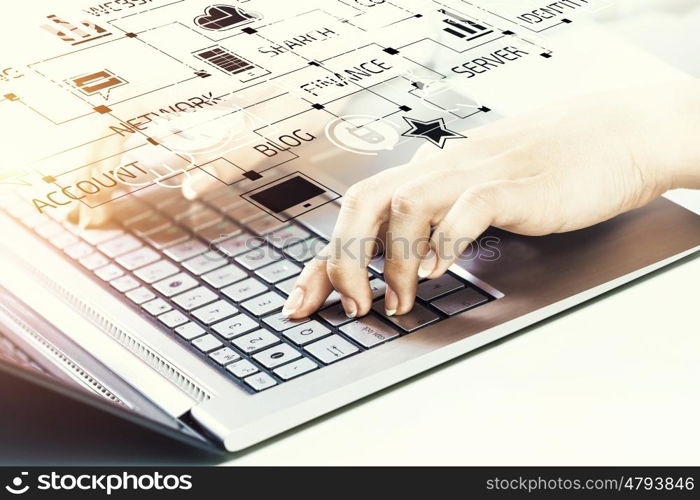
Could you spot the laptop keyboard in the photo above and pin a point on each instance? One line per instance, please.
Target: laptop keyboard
(215, 273)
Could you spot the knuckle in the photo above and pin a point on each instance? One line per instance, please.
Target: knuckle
(405, 201)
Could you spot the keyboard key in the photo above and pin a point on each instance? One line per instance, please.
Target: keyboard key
(49, 229)
(63, 240)
(124, 284)
(377, 265)
(200, 219)
(194, 298)
(287, 236)
(416, 318)
(94, 261)
(207, 343)
(166, 237)
(78, 251)
(335, 315)
(331, 349)
(224, 356)
(244, 212)
(295, 368)
(378, 287)
(233, 327)
(156, 271)
(239, 244)
(304, 250)
(224, 276)
(140, 295)
(97, 236)
(172, 319)
(204, 263)
(138, 258)
(432, 289)
(279, 321)
(308, 332)
(185, 250)
(276, 356)
(265, 303)
(219, 231)
(214, 312)
(256, 341)
(109, 272)
(280, 270)
(189, 331)
(287, 285)
(258, 258)
(369, 331)
(156, 307)
(127, 209)
(180, 208)
(242, 368)
(175, 284)
(265, 224)
(225, 201)
(260, 381)
(149, 224)
(119, 246)
(245, 289)
(459, 301)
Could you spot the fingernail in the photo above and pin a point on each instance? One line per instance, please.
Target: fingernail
(427, 264)
(349, 306)
(188, 190)
(391, 301)
(293, 302)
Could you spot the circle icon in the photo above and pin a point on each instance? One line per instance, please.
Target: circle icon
(362, 134)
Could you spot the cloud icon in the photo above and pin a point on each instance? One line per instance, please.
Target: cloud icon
(225, 17)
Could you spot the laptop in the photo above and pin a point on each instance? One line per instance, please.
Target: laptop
(169, 313)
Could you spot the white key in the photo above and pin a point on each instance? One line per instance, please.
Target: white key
(233, 327)
(304, 250)
(119, 246)
(287, 286)
(94, 261)
(194, 298)
(258, 258)
(63, 240)
(276, 356)
(245, 289)
(242, 368)
(207, 343)
(214, 312)
(260, 381)
(239, 244)
(287, 236)
(189, 331)
(124, 284)
(97, 236)
(140, 295)
(138, 258)
(279, 321)
(185, 250)
(156, 307)
(308, 332)
(49, 229)
(204, 263)
(175, 284)
(109, 272)
(266, 224)
(224, 276)
(331, 349)
(264, 303)
(156, 271)
(295, 368)
(172, 319)
(259, 339)
(224, 356)
(78, 251)
(280, 270)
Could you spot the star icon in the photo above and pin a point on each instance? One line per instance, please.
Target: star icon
(434, 131)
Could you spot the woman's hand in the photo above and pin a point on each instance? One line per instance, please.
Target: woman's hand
(558, 170)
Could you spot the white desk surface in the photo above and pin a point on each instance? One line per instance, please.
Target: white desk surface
(614, 381)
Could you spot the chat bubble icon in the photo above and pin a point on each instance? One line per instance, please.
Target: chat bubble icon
(100, 82)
